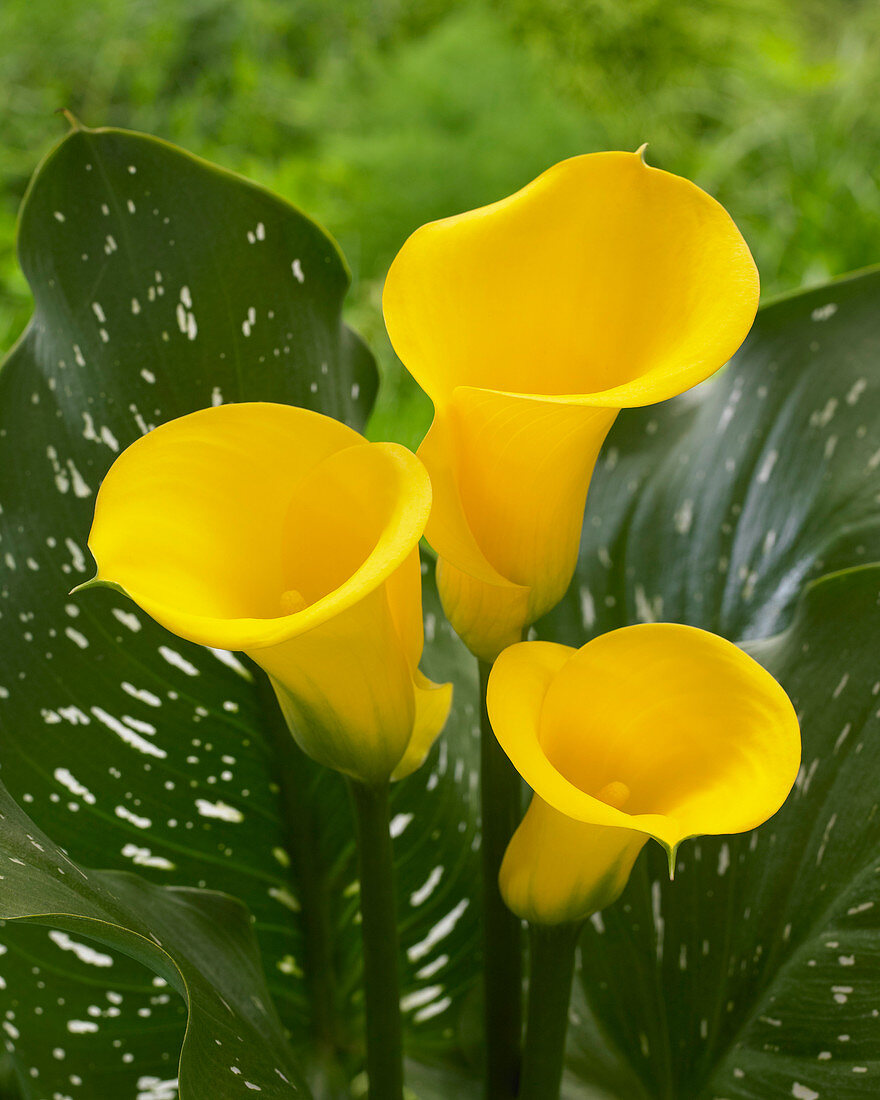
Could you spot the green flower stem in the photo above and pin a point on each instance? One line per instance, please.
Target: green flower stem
(302, 841)
(551, 969)
(501, 800)
(381, 946)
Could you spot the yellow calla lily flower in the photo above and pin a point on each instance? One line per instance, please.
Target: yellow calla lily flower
(603, 284)
(656, 730)
(283, 533)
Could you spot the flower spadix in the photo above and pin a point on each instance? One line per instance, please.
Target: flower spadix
(655, 730)
(280, 532)
(603, 284)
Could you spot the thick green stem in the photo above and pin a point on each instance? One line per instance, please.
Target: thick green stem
(501, 799)
(381, 946)
(551, 969)
(303, 841)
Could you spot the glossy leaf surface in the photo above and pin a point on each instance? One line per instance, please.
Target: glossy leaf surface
(747, 508)
(162, 285)
(198, 944)
(136, 751)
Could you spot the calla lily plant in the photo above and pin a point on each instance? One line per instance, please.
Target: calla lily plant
(602, 285)
(283, 533)
(655, 730)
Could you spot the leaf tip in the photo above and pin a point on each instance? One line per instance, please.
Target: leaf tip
(75, 123)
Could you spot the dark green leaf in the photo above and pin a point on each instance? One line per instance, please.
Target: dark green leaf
(134, 749)
(199, 944)
(755, 974)
(716, 507)
(161, 284)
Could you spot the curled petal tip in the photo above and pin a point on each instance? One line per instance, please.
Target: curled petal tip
(672, 853)
(97, 582)
(640, 152)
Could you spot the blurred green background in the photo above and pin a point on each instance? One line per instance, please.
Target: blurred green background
(377, 116)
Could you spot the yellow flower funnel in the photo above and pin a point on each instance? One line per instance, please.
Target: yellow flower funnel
(656, 730)
(280, 532)
(603, 284)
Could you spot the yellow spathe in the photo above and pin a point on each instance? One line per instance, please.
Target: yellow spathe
(603, 284)
(656, 730)
(283, 533)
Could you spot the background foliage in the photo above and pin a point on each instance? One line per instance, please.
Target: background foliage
(376, 116)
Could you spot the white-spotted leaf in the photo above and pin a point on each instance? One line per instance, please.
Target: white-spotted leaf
(750, 507)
